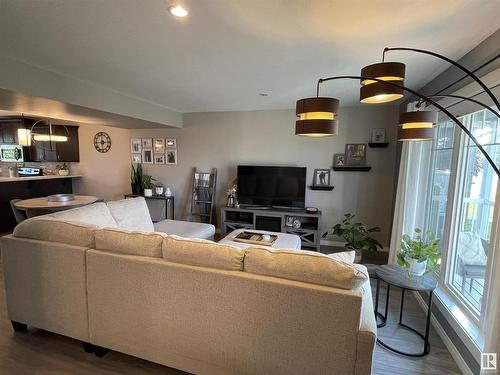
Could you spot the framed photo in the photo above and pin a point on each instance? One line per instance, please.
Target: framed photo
(355, 154)
(171, 156)
(147, 142)
(321, 177)
(147, 156)
(159, 145)
(339, 160)
(136, 158)
(135, 145)
(171, 142)
(378, 135)
(159, 158)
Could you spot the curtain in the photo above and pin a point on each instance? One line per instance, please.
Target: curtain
(411, 193)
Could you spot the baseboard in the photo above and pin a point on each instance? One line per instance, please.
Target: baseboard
(462, 365)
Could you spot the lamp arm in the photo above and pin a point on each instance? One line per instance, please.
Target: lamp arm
(461, 67)
(428, 100)
(467, 99)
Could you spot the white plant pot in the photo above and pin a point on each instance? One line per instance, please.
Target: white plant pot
(416, 268)
(148, 192)
(159, 190)
(63, 172)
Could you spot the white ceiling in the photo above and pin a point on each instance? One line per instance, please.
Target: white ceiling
(226, 52)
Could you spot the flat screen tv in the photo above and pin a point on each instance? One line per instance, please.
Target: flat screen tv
(271, 186)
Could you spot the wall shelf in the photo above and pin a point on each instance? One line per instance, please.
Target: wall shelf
(378, 145)
(354, 168)
(324, 188)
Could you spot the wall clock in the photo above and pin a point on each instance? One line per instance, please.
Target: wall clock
(102, 142)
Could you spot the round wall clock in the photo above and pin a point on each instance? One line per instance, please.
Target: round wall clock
(102, 142)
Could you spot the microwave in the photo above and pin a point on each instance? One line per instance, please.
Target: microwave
(11, 153)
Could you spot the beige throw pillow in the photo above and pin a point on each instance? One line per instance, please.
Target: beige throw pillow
(344, 256)
(306, 266)
(204, 253)
(129, 242)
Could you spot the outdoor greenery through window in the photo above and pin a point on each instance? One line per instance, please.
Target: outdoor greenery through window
(458, 168)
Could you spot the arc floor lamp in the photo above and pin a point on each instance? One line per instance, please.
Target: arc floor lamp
(383, 83)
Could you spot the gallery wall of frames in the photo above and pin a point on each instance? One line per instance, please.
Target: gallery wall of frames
(153, 150)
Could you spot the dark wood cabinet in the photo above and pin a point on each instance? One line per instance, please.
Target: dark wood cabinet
(40, 151)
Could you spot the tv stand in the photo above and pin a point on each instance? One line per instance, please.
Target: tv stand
(274, 220)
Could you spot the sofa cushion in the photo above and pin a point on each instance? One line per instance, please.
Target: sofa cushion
(129, 242)
(186, 229)
(45, 228)
(132, 214)
(307, 266)
(96, 214)
(200, 252)
(344, 256)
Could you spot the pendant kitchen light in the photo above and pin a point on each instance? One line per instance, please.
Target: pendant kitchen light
(316, 117)
(378, 92)
(49, 136)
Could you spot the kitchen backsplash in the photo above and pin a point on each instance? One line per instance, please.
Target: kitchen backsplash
(4, 167)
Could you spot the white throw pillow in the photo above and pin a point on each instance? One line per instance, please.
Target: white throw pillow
(132, 214)
(204, 253)
(471, 249)
(306, 266)
(345, 256)
(95, 214)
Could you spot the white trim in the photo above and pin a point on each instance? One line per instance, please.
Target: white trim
(462, 365)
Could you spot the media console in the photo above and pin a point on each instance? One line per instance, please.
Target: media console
(275, 220)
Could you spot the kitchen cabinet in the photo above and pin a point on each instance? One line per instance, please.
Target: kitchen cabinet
(8, 130)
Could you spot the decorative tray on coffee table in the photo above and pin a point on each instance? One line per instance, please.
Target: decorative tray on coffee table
(255, 238)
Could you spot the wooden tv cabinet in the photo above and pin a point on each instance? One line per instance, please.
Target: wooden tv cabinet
(274, 220)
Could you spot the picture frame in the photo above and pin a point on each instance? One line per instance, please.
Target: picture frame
(355, 154)
(147, 156)
(159, 158)
(159, 145)
(147, 142)
(171, 157)
(171, 143)
(378, 135)
(136, 159)
(339, 160)
(135, 145)
(321, 177)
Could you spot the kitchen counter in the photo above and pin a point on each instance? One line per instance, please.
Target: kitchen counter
(16, 179)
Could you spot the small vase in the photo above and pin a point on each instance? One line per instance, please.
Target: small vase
(63, 172)
(416, 268)
(168, 192)
(148, 192)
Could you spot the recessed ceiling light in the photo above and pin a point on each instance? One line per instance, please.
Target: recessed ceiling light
(178, 11)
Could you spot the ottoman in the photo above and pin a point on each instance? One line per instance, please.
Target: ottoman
(284, 240)
(185, 229)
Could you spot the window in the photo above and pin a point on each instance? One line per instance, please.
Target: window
(462, 177)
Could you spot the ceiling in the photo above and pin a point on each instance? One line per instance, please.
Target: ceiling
(227, 52)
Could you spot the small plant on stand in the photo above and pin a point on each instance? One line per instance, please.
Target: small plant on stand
(420, 254)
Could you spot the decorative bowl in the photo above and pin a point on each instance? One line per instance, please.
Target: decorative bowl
(61, 198)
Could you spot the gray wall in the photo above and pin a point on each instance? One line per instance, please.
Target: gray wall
(225, 139)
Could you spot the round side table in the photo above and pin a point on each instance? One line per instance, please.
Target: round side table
(397, 276)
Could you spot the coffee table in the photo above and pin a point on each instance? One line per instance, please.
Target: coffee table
(284, 240)
(397, 276)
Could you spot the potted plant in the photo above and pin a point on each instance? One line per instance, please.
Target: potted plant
(420, 254)
(148, 185)
(63, 170)
(358, 237)
(136, 179)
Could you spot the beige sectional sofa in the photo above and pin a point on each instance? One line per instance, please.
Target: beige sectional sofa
(191, 304)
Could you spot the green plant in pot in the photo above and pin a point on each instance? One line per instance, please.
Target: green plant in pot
(358, 237)
(137, 179)
(148, 184)
(420, 254)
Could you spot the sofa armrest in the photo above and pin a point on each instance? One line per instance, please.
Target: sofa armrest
(367, 334)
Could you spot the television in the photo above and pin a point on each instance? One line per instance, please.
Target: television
(271, 186)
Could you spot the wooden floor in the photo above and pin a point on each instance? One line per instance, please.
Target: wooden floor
(41, 353)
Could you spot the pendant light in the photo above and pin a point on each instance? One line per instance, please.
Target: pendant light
(373, 92)
(417, 125)
(316, 117)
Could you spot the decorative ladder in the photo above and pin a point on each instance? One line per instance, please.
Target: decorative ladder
(203, 195)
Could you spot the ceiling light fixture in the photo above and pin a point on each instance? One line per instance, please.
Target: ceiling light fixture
(178, 11)
(382, 83)
(316, 117)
